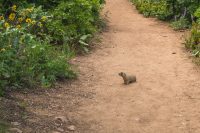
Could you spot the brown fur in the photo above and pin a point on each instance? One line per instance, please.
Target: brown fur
(127, 79)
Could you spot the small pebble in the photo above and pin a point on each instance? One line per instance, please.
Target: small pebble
(60, 130)
(71, 128)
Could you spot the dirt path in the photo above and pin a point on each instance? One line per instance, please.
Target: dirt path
(165, 99)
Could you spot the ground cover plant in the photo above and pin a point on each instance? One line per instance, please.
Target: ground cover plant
(39, 37)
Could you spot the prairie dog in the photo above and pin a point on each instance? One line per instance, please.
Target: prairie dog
(127, 79)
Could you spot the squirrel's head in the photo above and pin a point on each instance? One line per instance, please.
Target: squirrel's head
(122, 74)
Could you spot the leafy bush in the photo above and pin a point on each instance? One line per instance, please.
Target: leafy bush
(197, 15)
(193, 42)
(26, 59)
(169, 9)
(153, 8)
(180, 24)
(38, 38)
(72, 20)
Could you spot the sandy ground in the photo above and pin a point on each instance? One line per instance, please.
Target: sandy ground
(165, 99)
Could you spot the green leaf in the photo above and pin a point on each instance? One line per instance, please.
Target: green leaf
(83, 43)
(84, 37)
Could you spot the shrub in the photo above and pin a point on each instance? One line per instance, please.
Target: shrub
(154, 8)
(193, 42)
(38, 39)
(168, 9)
(180, 24)
(27, 60)
(68, 20)
(72, 20)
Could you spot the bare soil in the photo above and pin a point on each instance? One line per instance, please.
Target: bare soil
(165, 99)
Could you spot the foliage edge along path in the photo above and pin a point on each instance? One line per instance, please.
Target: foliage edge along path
(182, 14)
(39, 37)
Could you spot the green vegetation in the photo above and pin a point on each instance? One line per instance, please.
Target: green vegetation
(180, 24)
(39, 37)
(193, 43)
(182, 14)
(172, 10)
(157, 8)
(3, 127)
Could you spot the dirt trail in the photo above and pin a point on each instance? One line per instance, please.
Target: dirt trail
(166, 98)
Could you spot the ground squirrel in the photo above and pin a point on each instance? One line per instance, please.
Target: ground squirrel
(127, 79)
